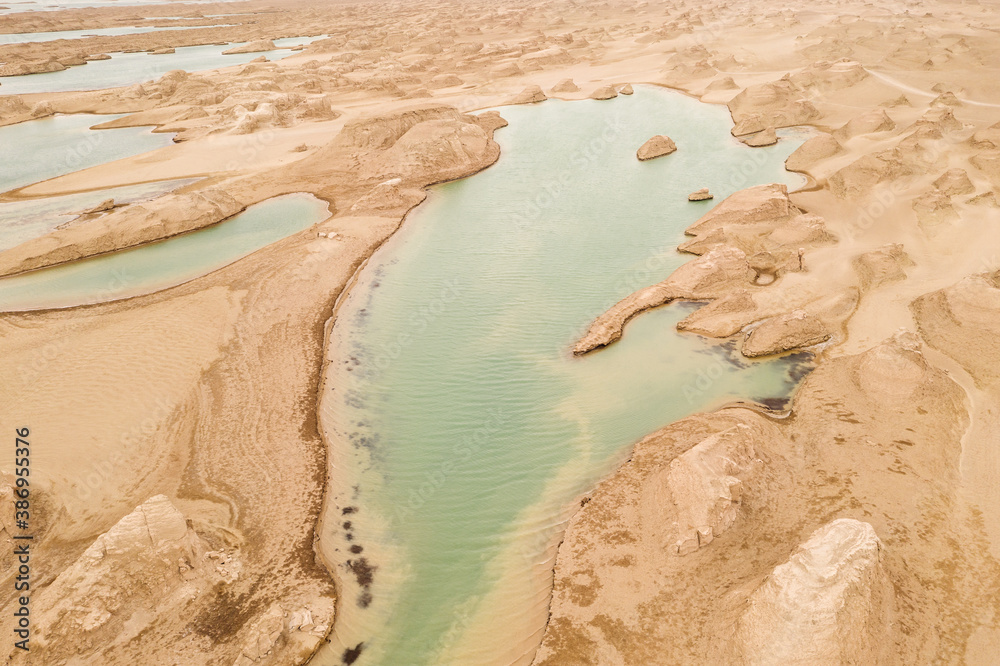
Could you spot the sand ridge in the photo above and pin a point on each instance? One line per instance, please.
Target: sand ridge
(903, 101)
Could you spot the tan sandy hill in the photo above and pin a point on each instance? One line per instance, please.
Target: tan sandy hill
(121, 228)
(732, 519)
(190, 385)
(901, 104)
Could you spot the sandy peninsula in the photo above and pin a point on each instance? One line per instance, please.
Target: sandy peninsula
(178, 515)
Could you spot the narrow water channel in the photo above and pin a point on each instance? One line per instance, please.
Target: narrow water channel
(170, 262)
(125, 69)
(58, 145)
(462, 430)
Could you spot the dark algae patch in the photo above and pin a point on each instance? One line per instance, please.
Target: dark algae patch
(351, 654)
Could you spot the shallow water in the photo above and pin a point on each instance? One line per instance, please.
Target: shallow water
(23, 220)
(56, 5)
(58, 145)
(461, 427)
(125, 69)
(24, 37)
(156, 266)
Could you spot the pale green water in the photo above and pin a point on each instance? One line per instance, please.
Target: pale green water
(24, 37)
(462, 427)
(58, 145)
(55, 5)
(23, 220)
(128, 68)
(160, 265)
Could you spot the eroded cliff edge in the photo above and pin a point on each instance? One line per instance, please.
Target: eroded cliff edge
(829, 537)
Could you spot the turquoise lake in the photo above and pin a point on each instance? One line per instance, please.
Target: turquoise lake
(24, 37)
(125, 69)
(461, 426)
(58, 145)
(55, 5)
(156, 266)
(22, 220)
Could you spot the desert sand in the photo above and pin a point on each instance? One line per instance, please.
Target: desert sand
(176, 520)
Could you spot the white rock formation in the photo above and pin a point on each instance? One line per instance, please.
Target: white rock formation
(831, 603)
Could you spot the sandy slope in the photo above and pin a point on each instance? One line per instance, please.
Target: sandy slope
(208, 390)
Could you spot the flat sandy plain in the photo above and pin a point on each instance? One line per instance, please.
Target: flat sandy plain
(175, 520)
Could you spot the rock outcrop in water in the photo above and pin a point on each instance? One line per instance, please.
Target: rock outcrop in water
(657, 146)
(257, 46)
(709, 276)
(122, 228)
(767, 137)
(751, 238)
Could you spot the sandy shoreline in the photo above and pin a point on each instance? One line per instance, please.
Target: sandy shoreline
(221, 395)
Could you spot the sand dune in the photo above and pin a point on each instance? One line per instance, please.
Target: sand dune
(205, 394)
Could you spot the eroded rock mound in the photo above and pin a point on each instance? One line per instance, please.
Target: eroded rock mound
(381, 131)
(812, 151)
(690, 487)
(435, 149)
(141, 561)
(775, 104)
(709, 276)
(565, 86)
(705, 486)
(656, 146)
(785, 332)
(754, 204)
(258, 46)
(122, 228)
(604, 92)
(955, 181)
(830, 603)
(867, 123)
(387, 198)
(881, 266)
(530, 95)
(964, 320)
(767, 137)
